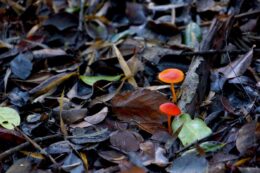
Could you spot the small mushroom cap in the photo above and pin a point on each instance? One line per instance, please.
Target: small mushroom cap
(170, 109)
(171, 75)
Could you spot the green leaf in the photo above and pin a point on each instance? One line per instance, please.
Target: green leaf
(209, 146)
(192, 130)
(90, 80)
(192, 34)
(9, 118)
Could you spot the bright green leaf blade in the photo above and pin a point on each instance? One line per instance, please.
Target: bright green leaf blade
(9, 118)
(90, 80)
(192, 34)
(177, 122)
(192, 130)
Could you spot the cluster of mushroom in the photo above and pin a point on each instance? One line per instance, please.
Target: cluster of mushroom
(171, 76)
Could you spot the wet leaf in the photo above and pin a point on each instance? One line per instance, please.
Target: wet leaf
(248, 137)
(51, 83)
(61, 147)
(83, 136)
(21, 66)
(192, 130)
(91, 80)
(112, 156)
(232, 70)
(73, 164)
(9, 117)
(18, 97)
(189, 163)
(11, 136)
(70, 115)
(62, 21)
(96, 30)
(93, 119)
(140, 105)
(127, 141)
(22, 165)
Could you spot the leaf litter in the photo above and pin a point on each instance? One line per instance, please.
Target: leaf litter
(79, 87)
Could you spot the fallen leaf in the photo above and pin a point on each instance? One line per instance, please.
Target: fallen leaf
(127, 140)
(192, 130)
(9, 117)
(21, 66)
(51, 83)
(62, 21)
(189, 163)
(93, 119)
(141, 105)
(248, 137)
(22, 165)
(91, 80)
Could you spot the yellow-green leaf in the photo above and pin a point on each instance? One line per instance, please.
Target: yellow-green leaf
(9, 118)
(192, 130)
(90, 80)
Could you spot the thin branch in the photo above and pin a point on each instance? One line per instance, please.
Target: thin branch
(26, 144)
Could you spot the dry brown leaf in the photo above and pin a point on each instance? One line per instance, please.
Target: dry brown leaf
(127, 71)
(141, 106)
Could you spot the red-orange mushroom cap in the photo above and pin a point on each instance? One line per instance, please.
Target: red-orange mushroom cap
(170, 109)
(171, 75)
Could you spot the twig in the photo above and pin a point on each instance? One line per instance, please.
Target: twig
(214, 52)
(247, 14)
(26, 144)
(81, 15)
(166, 7)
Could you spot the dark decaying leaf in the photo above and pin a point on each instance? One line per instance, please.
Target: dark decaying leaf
(93, 119)
(62, 21)
(112, 156)
(234, 69)
(21, 66)
(248, 137)
(135, 13)
(96, 30)
(84, 136)
(11, 136)
(73, 164)
(189, 163)
(61, 147)
(141, 105)
(51, 83)
(128, 141)
(18, 98)
(70, 115)
(22, 165)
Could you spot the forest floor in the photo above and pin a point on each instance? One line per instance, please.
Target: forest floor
(83, 86)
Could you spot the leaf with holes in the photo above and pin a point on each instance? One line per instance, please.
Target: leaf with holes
(9, 118)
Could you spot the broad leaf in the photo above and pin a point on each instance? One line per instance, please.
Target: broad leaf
(192, 130)
(9, 118)
(90, 80)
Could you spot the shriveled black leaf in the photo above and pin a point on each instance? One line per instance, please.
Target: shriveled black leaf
(189, 163)
(21, 66)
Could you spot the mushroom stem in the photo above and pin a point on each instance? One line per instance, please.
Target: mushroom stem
(169, 124)
(174, 98)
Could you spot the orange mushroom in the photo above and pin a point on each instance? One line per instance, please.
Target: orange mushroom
(171, 110)
(171, 76)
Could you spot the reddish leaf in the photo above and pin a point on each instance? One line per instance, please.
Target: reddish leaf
(140, 105)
